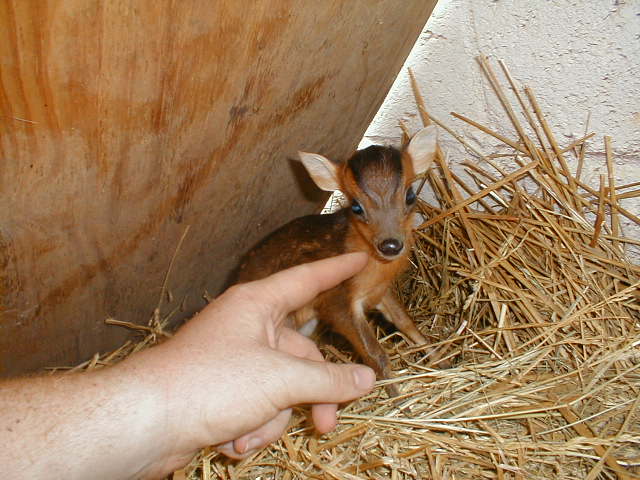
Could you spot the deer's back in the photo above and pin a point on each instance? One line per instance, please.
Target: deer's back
(302, 240)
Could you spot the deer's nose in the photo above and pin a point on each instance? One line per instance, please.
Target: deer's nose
(390, 247)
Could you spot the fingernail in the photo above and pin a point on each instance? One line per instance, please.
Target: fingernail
(364, 378)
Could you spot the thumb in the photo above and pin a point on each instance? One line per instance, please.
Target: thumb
(326, 382)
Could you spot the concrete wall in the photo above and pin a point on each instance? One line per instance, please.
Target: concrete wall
(579, 57)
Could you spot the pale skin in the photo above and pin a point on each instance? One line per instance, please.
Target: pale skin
(229, 377)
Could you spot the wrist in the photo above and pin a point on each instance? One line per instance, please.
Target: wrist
(153, 429)
(168, 376)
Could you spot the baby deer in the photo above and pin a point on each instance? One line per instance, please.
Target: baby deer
(379, 220)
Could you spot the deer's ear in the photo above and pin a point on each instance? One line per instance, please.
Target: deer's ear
(422, 148)
(323, 171)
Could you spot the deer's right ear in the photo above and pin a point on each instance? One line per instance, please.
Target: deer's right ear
(322, 170)
(422, 148)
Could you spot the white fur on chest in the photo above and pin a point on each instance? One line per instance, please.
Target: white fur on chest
(308, 328)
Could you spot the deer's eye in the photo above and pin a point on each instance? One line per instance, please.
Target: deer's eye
(411, 196)
(357, 208)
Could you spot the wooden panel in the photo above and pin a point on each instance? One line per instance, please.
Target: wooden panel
(122, 122)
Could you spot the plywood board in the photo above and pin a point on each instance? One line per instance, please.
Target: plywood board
(123, 122)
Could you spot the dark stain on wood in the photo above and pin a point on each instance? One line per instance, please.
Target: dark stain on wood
(301, 99)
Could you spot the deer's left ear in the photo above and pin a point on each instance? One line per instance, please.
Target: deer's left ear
(323, 171)
(422, 148)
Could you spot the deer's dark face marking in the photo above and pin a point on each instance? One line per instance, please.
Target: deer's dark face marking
(377, 171)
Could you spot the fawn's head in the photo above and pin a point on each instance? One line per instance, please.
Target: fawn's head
(377, 184)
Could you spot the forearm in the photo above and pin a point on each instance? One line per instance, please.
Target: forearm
(101, 424)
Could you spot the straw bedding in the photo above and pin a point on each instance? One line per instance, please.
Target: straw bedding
(520, 279)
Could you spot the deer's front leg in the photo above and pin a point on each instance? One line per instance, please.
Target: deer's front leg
(396, 314)
(352, 324)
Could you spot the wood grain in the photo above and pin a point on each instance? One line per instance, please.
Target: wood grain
(121, 122)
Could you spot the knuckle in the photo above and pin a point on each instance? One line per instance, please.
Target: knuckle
(336, 376)
(237, 291)
(249, 295)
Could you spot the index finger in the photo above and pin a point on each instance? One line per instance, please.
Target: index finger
(297, 286)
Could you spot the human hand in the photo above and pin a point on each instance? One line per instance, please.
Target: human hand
(234, 371)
